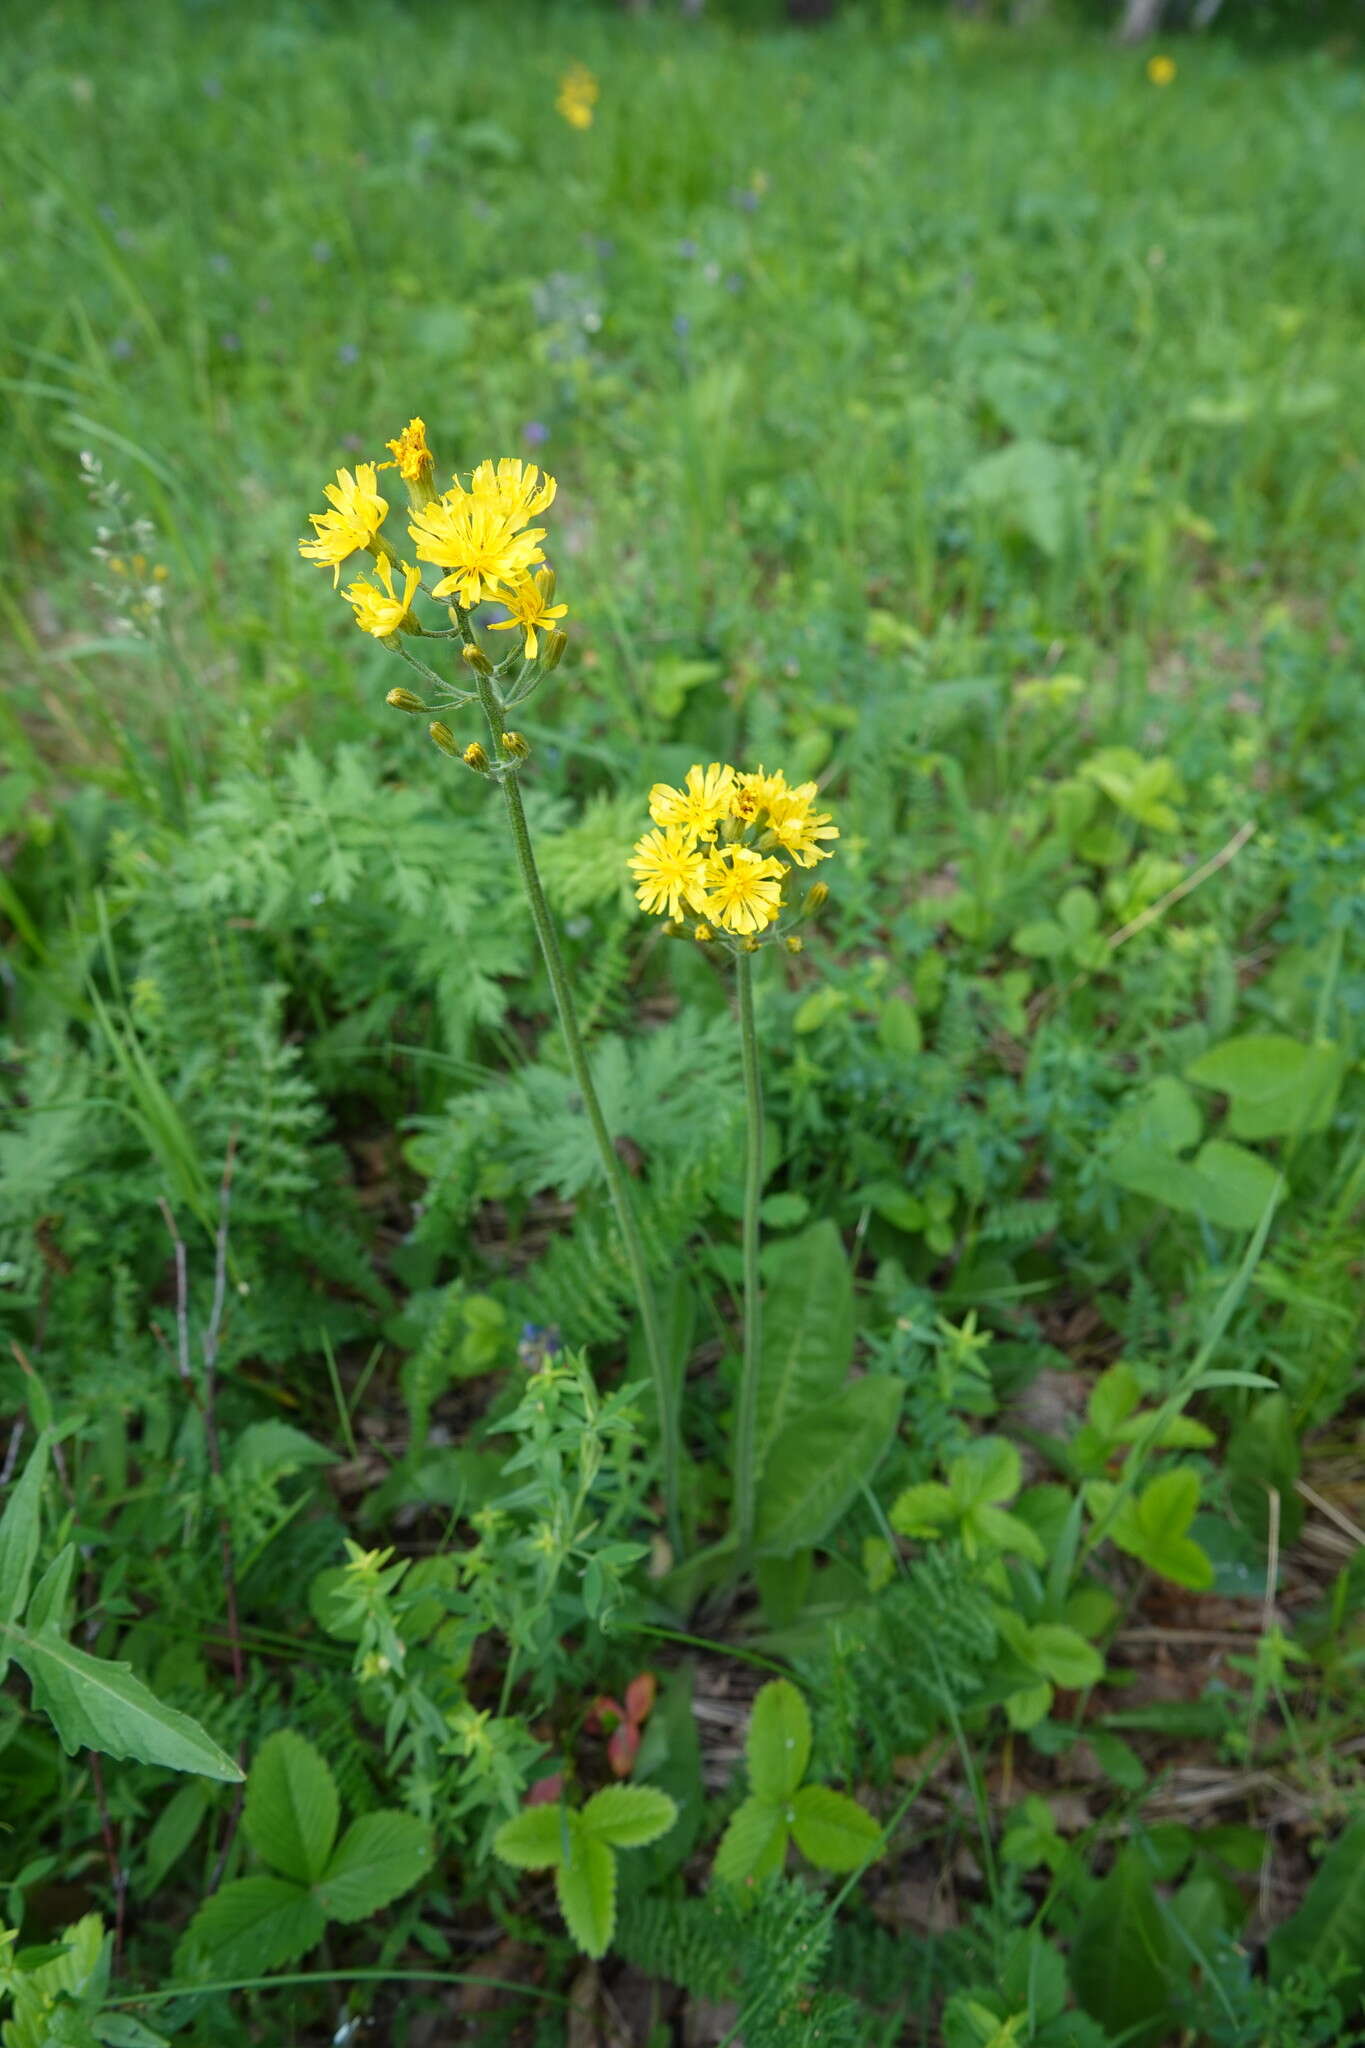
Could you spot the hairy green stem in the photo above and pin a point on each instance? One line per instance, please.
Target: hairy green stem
(665, 1389)
(746, 1411)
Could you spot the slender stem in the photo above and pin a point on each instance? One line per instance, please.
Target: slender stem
(746, 1413)
(664, 1389)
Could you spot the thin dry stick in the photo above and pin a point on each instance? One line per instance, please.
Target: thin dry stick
(1181, 889)
(1333, 1514)
(16, 1437)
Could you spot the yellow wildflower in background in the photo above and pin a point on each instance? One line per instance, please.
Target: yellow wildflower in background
(530, 608)
(411, 455)
(1161, 70)
(669, 869)
(382, 612)
(357, 514)
(514, 489)
(483, 550)
(578, 94)
(726, 845)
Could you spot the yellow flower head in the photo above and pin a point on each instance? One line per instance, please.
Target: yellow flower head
(700, 806)
(514, 489)
(761, 790)
(1161, 70)
(411, 454)
(796, 828)
(578, 93)
(357, 514)
(483, 550)
(669, 869)
(382, 612)
(530, 607)
(743, 890)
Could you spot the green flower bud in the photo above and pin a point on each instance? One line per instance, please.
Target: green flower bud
(515, 745)
(444, 738)
(474, 757)
(404, 700)
(554, 644)
(477, 660)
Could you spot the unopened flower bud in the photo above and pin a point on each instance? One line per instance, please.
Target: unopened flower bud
(816, 895)
(404, 700)
(796, 945)
(553, 643)
(670, 928)
(749, 945)
(444, 738)
(703, 934)
(474, 757)
(477, 659)
(515, 745)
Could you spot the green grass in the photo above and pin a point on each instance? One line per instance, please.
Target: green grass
(936, 409)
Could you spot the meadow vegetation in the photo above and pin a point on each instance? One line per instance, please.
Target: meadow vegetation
(940, 1620)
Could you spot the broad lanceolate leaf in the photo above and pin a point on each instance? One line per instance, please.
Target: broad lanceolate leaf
(807, 1329)
(778, 1742)
(586, 1884)
(255, 1924)
(1329, 1927)
(19, 1532)
(833, 1830)
(1120, 1954)
(817, 1464)
(1278, 1088)
(93, 1704)
(291, 1809)
(48, 1601)
(534, 1839)
(754, 1843)
(628, 1816)
(379, 1857)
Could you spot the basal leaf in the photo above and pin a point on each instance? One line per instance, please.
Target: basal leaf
(380, 1856)
(291, 1811)
(815, 1467)
(1277, 1087)
(94, 1704)
(1120, 1955)
(808, 1329)
(778, 1742)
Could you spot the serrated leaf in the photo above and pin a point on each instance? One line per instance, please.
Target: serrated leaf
(922, 1510)
(1065, 1657)
(989, 1472)
(808, 1330)
(48, 1603)
(380, 1856)
(533, 1839)
(777, 1746)
(832, 1831)
(586, 1885)
(94, 1704)
(252, 1925)
(754, 1843)
(628, 1816)
(19, 1534)
(291, 1812)
(816, 1466)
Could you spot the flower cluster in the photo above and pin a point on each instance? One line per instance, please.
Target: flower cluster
(725, 846)
(480, 534)
(578, 92)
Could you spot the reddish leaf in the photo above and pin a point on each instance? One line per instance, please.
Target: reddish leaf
(622, 1748)
(546, 1791)
(640, 1696)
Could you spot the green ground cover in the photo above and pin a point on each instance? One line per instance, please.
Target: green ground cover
(948, 414)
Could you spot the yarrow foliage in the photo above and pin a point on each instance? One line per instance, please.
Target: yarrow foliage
(725, 846)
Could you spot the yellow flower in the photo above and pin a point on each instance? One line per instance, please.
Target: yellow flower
(1161, 70)
(529, 604)
(578, 91)
(479, 545)
(669, 869)
(357, 514)
(514, 489)
(708, 797)
(759, 792)
(797, 829)
(410, 453)
(743, 890)
(382, 612)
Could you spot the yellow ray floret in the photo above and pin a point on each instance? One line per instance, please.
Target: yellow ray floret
(383, 612)
(410, 453)
(516, 490)
(760, 791)
(669, 869)
(743, 889)
(485, 554)
(578, 91)
(797, 828)
(356, 516)
(707, 797)
(530, 607)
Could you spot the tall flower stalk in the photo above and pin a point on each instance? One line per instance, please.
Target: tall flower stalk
(722, 864)
(480, 535)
